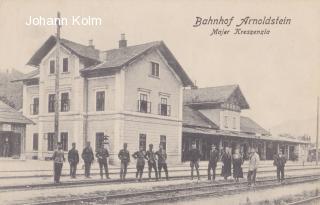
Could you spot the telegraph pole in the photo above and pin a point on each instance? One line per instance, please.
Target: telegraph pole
(317, 139)
(56, 102)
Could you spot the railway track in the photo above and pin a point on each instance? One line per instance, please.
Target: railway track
(178, 193)
(311, 200)
(81, 183)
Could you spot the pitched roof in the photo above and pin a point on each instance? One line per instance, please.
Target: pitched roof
(80, 50)
(117, 58)
(28, 76)
(10, 115)
(214, 95)
(193, 117)
(250, 126)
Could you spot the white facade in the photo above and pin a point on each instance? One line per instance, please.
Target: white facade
(120, 119)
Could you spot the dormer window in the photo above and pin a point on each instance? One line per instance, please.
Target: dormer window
(154, 69)
(65, 66)
(52, 67)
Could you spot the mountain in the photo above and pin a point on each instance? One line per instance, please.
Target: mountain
(11, 93)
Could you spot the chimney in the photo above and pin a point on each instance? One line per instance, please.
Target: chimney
(91, 43)
(123, 41)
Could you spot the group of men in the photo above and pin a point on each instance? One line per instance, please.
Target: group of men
(215, 156)
(156, 161)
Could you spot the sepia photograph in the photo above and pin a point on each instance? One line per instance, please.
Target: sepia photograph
(176, 102)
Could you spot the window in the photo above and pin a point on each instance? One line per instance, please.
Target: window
(163, 141)
(234, 122)
(164, 108)
(51, 102)
(100, 100)
(35, 106)
(52, 67)
(35, 142)
(65, 65)
(143, 141)
(143, 104)
(65, 102)
(155, 69)
(64, 140)
(99, 139)
(226, 121)
(50, 141)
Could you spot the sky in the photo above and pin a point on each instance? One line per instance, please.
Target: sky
(279, 73)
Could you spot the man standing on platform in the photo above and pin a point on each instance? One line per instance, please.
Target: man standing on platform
(124, 157)
(88, 157)
(213, 160)
(58, 159)
(162, 157)
(140, 156)
(73, 159)
(151, 156)
(102, 156)
(279, 161)
(253, 167)
(194, 160)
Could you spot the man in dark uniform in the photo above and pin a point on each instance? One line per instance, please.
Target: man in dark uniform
(58, 159)
(194, 154)
(73, 159)
(6, 148)
(213, 159)
(102, 156)
(279, 161)
(140, 156)
(162, 157)
(151, 156)
(124, 157)
(88, 157)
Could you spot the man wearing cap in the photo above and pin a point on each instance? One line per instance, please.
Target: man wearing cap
(213, 159)
(140, 156)
(124, 157)
(162, 157)
(58, 159)
(152, 158)
(102, 156)
(253, 167)
(88, 157)
(194, 154)
(280, 161)
(73, 159)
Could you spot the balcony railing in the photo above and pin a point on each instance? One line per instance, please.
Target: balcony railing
(144, 106)
(65, 106)
(164, 109)
(34, 109)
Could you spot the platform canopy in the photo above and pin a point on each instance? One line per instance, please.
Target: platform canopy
(12, 116)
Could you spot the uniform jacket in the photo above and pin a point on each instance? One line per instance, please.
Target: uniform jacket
(140, 156)
(279, 161)
(73, 156)
(151, 156)
(58, 156)
(254, 161)
(102, 155)
(214, 157)
(124, 156)
(87, 155)
(194, 155)
(162, 156)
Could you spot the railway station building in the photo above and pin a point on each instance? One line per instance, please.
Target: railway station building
(135, 94)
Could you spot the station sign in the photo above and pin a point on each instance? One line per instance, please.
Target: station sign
(6, 127)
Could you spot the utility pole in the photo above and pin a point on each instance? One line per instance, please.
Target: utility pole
(56, 102)
(317, 139)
